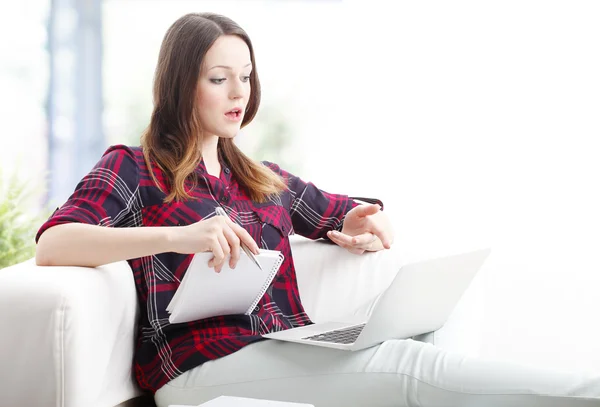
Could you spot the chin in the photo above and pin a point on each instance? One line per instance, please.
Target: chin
(227, 135)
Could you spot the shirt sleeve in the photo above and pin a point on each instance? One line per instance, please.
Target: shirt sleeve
(314, 212)
(106, 196)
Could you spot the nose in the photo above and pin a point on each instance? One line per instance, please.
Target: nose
(237, 90)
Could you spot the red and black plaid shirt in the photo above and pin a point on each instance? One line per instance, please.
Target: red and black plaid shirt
(119, 192)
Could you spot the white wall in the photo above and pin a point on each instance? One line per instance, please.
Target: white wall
(478, 123)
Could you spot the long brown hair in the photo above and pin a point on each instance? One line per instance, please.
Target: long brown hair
(172, 138)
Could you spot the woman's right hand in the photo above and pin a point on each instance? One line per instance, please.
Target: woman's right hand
(218, 235)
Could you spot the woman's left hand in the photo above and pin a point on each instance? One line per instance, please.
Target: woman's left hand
(366, 228)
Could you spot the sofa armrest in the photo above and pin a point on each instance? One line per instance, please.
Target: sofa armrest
(334, 283)
(69, 336)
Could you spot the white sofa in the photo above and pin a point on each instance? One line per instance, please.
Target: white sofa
(68, 332)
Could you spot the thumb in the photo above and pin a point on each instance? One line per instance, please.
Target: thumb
(366, 210)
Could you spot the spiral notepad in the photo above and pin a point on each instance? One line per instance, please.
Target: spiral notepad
(203, 293)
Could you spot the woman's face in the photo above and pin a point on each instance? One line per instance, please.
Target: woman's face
(224, 87)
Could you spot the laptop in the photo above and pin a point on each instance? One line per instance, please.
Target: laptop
(420, 299)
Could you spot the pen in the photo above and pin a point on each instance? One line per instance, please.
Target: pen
(221, 212)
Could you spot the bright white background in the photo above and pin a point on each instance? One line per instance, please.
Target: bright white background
(475, 121)
(478, 122)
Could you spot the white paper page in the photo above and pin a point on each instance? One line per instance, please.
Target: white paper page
(204, 293)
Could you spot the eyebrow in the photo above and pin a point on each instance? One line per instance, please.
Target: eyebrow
(228, 67)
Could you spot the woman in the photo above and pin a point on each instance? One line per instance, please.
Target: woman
(155, 205)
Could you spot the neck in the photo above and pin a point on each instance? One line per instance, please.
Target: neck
(210, 155)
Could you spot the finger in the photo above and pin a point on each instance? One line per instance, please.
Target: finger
(226, 251)
(364, 240)
(366, 210)
(234, 244)
(245, 237)
(383, 235)
(218, 254)
(342, 241)
(335, 239)
(340, 238)
(349, 247)
(224, 245)
(356, 251)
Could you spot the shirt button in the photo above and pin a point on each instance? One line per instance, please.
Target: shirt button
(256, 308)
(224, 198)
(227, 171)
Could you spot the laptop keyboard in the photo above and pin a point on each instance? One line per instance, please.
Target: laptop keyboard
(343, 336)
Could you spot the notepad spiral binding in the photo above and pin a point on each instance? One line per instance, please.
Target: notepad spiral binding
(267, 283)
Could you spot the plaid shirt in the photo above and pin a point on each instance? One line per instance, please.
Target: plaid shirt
(119, 192)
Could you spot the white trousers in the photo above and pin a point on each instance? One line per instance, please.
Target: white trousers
(395, 373)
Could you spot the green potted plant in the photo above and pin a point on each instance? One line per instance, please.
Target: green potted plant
(17, 224)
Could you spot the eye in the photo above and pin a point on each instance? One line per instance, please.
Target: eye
(218, 81)
(245, 78)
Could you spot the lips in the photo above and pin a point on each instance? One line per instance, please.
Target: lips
(234, 114)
